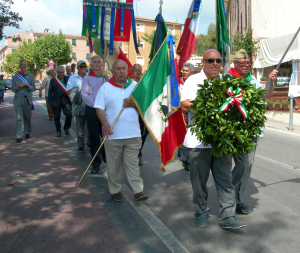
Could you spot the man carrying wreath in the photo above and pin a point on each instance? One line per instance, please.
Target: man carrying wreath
(243, 163)
(201, 159)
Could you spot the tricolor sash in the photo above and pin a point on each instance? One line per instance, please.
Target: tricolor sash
(61, 85)
(22, 78)
(128, 82)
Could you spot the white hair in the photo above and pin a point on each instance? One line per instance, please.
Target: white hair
(60, 67)
(93, 57)
(119, 60)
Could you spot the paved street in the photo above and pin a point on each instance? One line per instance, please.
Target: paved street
(43, 210)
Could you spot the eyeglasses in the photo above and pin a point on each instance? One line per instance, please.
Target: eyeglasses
(244, 63)
(82, 67)
(212, 60)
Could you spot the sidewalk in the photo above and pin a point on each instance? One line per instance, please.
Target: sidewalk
(41, 207)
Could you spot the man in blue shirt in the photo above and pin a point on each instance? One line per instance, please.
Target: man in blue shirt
(243, 163)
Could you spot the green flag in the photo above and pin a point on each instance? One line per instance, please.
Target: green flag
(222, 36)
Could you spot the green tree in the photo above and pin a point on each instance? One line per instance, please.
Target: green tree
(205, 42)
(7, 17)
(38, 53)
(24, 52)
(53, 47)
(245, 41)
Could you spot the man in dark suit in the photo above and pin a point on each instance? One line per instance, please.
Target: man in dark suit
(59, 100)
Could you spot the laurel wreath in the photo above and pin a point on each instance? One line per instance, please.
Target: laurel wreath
(228, 132)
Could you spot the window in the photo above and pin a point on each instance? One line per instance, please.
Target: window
(87, 56)
(246, 16)
(141, 45)
(14, 40)
(1, 68)
(140, 60)
(87, 43)
(140, 27)
(74, 55)
(73, 42)
(38, 37)
(29, 40)
(13, 50)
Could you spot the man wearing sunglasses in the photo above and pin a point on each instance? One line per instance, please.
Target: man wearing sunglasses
(78, 106)
(243, 163)
(201, 160)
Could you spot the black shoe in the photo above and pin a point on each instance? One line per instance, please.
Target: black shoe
(67, 131)
(140, 161)
(95, 170)
(186, 166)
(242, 209)
(19, 140)
(58, 134)
(27, 136)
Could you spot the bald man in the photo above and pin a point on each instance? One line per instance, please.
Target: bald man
(201, 159)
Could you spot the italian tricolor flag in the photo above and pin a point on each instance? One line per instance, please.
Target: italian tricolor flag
(152, 97)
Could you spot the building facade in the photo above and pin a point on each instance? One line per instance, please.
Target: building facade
(80, 44)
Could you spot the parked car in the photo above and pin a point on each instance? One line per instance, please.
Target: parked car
(38, 84)
(8, 84)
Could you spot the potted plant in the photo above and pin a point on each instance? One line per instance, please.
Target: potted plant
(278, 105)
(286, 105)
(263, 80)
(270, 105)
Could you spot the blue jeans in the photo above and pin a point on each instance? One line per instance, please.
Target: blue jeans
(1, 94)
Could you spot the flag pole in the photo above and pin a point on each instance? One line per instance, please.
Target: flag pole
(146, 71)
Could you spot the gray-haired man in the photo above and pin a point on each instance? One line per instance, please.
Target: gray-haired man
(59, 100)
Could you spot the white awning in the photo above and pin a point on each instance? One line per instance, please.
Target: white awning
(272, 49)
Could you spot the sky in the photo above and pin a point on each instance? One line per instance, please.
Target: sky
(67, 14)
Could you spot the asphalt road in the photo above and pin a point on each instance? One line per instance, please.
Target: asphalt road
(166, 223)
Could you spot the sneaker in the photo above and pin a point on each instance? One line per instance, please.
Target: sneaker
(81, 149)
(58, 134)
(242, 209)
(95, 170)
(117, 197)
(231, 224)
(19, 140)
(201, 221)
(140, 197)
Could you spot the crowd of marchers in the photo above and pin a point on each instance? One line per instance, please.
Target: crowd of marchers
(94, 99)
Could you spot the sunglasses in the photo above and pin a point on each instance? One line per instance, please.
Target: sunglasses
(244, 63)
(82, 67)
(212, 60)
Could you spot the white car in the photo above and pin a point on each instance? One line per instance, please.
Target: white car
(38, 84)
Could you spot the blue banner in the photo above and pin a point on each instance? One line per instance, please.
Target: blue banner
(173, 81)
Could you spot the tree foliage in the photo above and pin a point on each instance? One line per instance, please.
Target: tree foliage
(7, 17)
(245, 41)
(38, 53)
(205, 42)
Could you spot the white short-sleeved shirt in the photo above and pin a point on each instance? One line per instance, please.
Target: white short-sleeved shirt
(189, 92)
(74, 81)
(110, 100)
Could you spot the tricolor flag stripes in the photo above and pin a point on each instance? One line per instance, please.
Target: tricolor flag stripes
(188, 40)
(153, 99)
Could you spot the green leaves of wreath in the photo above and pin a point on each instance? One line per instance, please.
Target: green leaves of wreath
(228, 132)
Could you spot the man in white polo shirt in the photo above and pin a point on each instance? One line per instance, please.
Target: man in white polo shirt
(124, 141)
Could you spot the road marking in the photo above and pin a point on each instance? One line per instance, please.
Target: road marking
(276, 162)
(157, 226)
(25, 183)
(281, 131)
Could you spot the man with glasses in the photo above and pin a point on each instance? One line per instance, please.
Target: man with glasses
(78, 106)
(243, 163)
(201, 159)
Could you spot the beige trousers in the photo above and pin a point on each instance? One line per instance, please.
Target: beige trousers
(126, 150)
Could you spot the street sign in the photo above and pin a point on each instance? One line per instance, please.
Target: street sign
(51, 66)
(51, 62)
